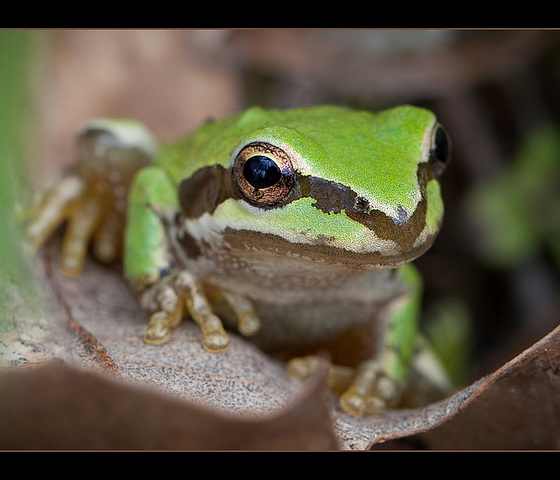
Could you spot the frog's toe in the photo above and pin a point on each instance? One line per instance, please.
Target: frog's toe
(167, 309)
(107, 243)
(302, 367)
(215, 338)
(158, 331)
(339, 377)
(81, 227)
(52, 208)
(248, 320)
(371, 392)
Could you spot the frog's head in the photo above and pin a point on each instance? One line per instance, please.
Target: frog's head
(326, 183)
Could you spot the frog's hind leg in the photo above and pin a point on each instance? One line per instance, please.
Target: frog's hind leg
(379, 382)
(376, 384)
(364, 390)
(427, 382)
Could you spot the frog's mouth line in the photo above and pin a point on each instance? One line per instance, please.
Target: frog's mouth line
(210, 186)
(321, 252)
(184, 248)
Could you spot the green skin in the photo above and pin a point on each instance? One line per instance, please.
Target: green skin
(377, 155)
(325, 265)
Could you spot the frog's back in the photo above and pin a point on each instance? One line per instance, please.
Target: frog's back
(215, 141)
(336, 132)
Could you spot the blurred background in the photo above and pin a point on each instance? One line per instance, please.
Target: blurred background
(496, 264)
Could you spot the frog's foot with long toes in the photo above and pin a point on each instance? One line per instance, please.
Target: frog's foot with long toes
(365, 390)
(91, 195)
(181, 294)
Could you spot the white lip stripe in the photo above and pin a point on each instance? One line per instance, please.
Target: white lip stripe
(208, 229)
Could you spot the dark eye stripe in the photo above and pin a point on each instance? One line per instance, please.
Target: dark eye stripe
(333, 197)
(210, 186)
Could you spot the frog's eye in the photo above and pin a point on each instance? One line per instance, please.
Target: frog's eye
(440, 152)
(263, 173)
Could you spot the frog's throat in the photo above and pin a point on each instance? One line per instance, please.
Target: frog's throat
(210, 186)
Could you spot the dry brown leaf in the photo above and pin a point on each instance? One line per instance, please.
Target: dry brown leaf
(58, 406)
(95, 329)
(84, 379)
(516, 407)
(367, 66)
(93, 326)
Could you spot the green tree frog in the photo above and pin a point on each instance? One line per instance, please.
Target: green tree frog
(293, 226)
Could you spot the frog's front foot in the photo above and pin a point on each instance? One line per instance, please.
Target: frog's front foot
(181, 293)
(64, 199)
(91, 195)
(365, 390)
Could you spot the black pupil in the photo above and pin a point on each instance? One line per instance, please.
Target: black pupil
(261, 171)
(441, 147)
